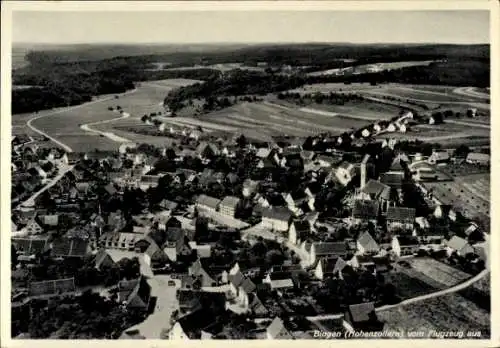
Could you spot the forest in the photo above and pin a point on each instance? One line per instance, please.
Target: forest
(60, 79)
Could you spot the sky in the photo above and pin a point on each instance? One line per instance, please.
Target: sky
(462, 27)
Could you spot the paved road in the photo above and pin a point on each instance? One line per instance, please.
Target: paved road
(62, 171)
(417, 299)
(61, 110)
(109, 135)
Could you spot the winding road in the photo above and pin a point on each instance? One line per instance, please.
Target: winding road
(109, 135)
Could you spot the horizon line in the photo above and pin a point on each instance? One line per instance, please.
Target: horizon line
(249, 43)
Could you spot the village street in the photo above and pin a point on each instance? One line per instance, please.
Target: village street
(166, 300)
(62, 170)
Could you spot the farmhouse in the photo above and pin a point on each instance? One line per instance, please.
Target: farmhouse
(400, 218)
(404, 245)
(478, 158)
(103, 260)
(155, 257)
(276, 218)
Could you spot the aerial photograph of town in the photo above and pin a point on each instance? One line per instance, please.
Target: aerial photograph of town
(250, 175)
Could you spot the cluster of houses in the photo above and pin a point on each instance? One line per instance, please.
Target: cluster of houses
(165, 237)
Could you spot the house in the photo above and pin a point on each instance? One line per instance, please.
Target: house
(174, 245)
(246, 288)
(438, 157)
(188, 300)
(393, 180)
(458, 245)
(207, 203)
(198, 271)
(365, 211)
(103, 260)
(361, 261)
(33, 227)
(299, 231)
(428, 235)
(250, 187)
(279, 280)
(277, 330)
(167, 205)
(256, 307)
(404, 245)
(478, 158)
(400, 218)
(207, 150)
(28, 248)
(365, 244)
(52, 288)
(276, 218)
(120, 240)
(70, 248)
(235, 278)
(134, 294)
(329, 267)
(155, 257)
(327, 249)
(50, 221)
(229, 205)
(362, 317)
(296, 199)
(74, 157)
(326, 161)
(345, 172)
(193, 325)
(445, 211)
(263, 153)
(203, 251)
(148, 181)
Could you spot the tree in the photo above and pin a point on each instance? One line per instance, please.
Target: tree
(274, 257)
(462, 151)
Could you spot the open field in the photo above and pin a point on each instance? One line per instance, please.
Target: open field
(65, 123)
(438, 274)
(407, 286)
(379, 66)
(469, 194)
(450, 312)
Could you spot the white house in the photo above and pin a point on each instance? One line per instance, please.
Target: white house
(365, 244)
(276, 218)
(299, 231)
(403, 246)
